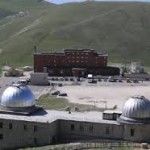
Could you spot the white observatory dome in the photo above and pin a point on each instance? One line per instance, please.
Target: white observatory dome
(17, 96)
(136, 110)
(137, 107)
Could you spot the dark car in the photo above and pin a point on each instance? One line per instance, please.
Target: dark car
(129, 81)
(112, 80)
(135, 81)
(52, 84)
(66, 79)
(60, 84)
(61, 79)
(63, 94)
(71, 79)
(120, 80)
(105, 80)
(55, 93)
(92, 81)
(99, 80)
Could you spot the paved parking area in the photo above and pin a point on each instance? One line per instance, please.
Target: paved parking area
(105, 94)
(100, 94)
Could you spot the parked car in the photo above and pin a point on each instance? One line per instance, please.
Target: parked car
(23, 81)
(105, 80)
(99, 80)
(92, 81)
(129, 81)
(56, 79)
(52, 84)
(60, 84)
(120, 80)
(66, 79)
(135, 81)
(71, 79)
(63, 94)
(61, 79)
(112, 80)
(55, 93)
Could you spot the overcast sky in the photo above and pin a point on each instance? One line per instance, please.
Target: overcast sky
(67, 1)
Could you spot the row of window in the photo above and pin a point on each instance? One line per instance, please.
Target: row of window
(77, 61)
(25, 127)
(77, 57)
(90, 128)
(76, 53)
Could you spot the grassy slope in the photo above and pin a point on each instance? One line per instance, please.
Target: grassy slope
(119, 29)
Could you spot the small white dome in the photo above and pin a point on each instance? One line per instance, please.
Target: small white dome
(137, 107)
(17, 96)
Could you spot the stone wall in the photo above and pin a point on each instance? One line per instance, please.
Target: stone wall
(137, 132)
(74, 130)
(19, 133)
(15, 134)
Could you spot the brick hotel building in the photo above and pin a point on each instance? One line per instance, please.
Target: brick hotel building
(78, 62)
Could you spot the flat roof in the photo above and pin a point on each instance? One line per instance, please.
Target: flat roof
(49, 116)
(69, 51)
(113, 111)
(50, 53)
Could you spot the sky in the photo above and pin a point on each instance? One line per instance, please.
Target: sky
(67, 1)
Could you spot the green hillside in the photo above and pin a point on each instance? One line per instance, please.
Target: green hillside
(120, 29)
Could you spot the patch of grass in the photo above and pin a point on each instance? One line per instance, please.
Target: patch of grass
(52, 102)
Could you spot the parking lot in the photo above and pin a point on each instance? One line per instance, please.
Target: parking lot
(102, 93)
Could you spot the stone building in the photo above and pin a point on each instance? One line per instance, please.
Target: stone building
(22, 124)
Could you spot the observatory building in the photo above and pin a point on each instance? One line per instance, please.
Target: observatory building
(18, 99)
(23, 124)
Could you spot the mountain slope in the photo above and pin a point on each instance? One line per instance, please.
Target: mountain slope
(120, 29)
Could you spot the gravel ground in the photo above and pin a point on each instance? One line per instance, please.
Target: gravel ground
(102, 95)
(105, 94)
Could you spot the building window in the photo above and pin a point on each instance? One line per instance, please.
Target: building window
(90, 128)
(107, 130)
(35, 128)
(1, 136)
(35, 141)
(132, 132)
(25, 127)
(10, 125)
(72, 127)
(81, 128)
(1, 124)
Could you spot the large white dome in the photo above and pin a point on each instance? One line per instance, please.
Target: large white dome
(136, 110)
(137, 107)
(17, 96)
